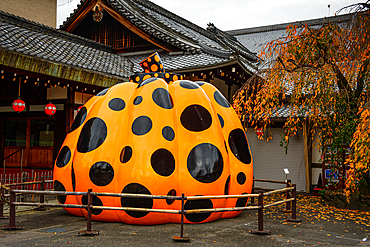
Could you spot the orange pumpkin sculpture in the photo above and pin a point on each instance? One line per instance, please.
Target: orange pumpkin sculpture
(156, 135)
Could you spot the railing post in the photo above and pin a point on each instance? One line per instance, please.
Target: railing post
(260, 216)
(252, 192)
(182, 238)
(88, 231)
(42, 197)
(288, 204)
(2, 202)
(294, 206)
(12, 225)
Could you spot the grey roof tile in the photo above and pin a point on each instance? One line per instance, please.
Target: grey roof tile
(256, 38)
(176, 62)
(46, 46)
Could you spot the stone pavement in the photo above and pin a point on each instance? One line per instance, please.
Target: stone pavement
(320, 226)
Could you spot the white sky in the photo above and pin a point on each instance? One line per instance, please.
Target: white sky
(237, 14)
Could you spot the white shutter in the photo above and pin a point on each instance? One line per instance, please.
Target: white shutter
(269, 159)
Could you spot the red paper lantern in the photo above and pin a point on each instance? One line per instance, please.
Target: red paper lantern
(259, 132)
(50, 109)
(18, 105)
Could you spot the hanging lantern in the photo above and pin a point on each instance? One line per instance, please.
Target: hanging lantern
(18, 105)
(259, 132)
(50, 109)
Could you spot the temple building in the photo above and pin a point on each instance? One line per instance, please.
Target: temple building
(98, 46)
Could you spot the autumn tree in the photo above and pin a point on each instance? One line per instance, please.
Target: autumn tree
(321, 75)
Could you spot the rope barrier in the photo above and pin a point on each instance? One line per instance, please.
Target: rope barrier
(290, 192)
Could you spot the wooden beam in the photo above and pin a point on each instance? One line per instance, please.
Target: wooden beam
(307, 145)
(26, 155)
(2, 139)
(135, 29)
(84, 10)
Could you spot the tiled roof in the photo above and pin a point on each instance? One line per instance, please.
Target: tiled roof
(256, 38)
(172, 29)
(38, 41)
(176, 62)
(184, 30)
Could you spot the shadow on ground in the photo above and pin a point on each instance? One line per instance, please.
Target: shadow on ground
(320, 226)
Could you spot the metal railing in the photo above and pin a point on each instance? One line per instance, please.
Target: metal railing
(10, 155)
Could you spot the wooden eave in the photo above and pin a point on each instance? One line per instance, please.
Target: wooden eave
(64, 73)
(222, 71)
(88, 5)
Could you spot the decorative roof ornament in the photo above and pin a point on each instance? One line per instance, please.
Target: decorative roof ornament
(97, 13)
(153, 68)
(211, 27)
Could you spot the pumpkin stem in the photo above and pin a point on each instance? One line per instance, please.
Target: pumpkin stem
(152, 63)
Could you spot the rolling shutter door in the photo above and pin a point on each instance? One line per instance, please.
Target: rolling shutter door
(269, 159)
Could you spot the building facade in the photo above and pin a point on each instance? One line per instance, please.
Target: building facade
(98, 46)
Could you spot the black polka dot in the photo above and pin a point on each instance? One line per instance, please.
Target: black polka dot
(162, 98)
(196, 118)
(241, 178)
(117, 104)
(220, 99)
(103, 92)
(200, 83)
(168, 133)
(163, 162)
(126, 154)
(138, 100)
(149, 80)
(141, 125)
(80, 118)
(101, 173)
(198, 204)
(58, 186)
(221, 120)
(63, 157)
(92, 135)
(241, 201)
(95, 202)
(73, 178)
(239, 146)
(189, 85)
(135, 188)
(227, 186)
(171, 193)
(205, 163)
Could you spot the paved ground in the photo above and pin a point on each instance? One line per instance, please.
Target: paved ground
(320, 226)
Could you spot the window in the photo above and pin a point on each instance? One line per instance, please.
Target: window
(15, 132)
(42, 132)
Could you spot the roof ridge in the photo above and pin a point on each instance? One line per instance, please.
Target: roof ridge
(268, 28)
(149, 4)
(39, 27)
(72, 14)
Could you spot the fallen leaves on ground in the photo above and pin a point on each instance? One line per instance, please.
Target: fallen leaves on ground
(311, 209)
